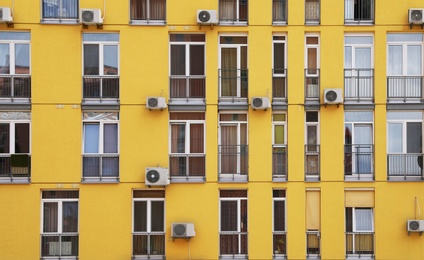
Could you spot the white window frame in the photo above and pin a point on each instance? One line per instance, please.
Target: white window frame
(354, 218)
(236, 19)
(355, 46)
(405, 44)
(101, 123)
(403, 122)
(279, 123)
(60, 19)
(317, 124)
(309, 21)
(12, 53)
(276, 254)
(147, 20)
(285, 14)
(187, 45)
(349, 13)
(14, 118)
(274, 41)
(312, 46)
(60, 202)
(187, 123)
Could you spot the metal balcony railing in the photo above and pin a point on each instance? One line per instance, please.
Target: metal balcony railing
(187, 165)
(279, 84)
(15, 166)
(312, 161)
(232, 243)
(313, 243)
(405, 88)
(359, 243)
(100, 166)
(148, 244)
(187, 87)
(312, 84)
(233, 83)
(15, 86)
(405, 165)
(359, 84)
(359, 160)
(279, 239)
(59, 245)
(101, 87)
(359, 11)
(279, 161)
(233, 160)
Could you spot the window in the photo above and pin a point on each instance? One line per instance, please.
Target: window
(187, 66)
(59, 227)
(404, 144)
(359, 11)
(233, 11)
(404, 66)
(312, 151)
(279, 146)
(148, 11)
(15, 69)
(233, 147)
(60, 11)
(279, 224)
(148, 224)
(233, 224)
(15, 146)
(312, 67)
(359, 205)
(100, 67)
(312, 11)
(279, 11)
(187, 145)
(313, 223)
(101, 147)
(233, 67)
(359, 72)
(279, 71)
(359, 147)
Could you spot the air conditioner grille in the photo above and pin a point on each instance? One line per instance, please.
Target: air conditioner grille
(153, 102)
(180, 230)
(87, 16)
(331, 95)
(204, 16)
(257, 102)
(153, 176)
(416, 15)
(414, 225)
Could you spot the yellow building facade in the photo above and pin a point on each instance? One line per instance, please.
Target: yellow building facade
(226, 129)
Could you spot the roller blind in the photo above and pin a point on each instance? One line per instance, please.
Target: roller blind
(313, 210)
(358, 199)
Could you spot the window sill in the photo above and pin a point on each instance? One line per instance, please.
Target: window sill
(93, 180)
(59, 21)
(224, 257)
(359, 256)
(232, 23)
(360, 23)
(233, 178)
(142, 257)
(361, 178)
(145, 22)
(279, 178)
(15, 180)
(405, 178)
(277, 23)
(199, 179)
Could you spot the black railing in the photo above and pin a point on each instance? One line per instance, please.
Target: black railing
(359, 11)
(59, 245)
(279, 161)
(312, 84)
(187, 165)
(359, 243)
(279, 240)
(233, 83)
(359, 84)
(313, 243)
(15, 166)
(16, 86)
(187, 87)
(101, 87)
(405, 165)
(405, 88)
(148, 244)
(359, 160)
(279, 84)
(312, 161)
(100, 166)
(232, 243)
(233, 159)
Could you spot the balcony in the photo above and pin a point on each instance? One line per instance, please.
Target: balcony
(359, 85)
(359, 162)
(405, 166)
(312, 86)
(360, 245)
(15, 89)
(15, 168)
(100, 90)
(279, 239)
(59, 246)
(187, 167)
(233, 163)
(233, 87)
(313, 245)
(233, 245)
(148, 245)
(312, 162)
(100, 167)
(405, 89)
(279, 163)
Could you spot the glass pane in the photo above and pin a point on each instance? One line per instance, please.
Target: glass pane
(279, 58)
(197, 60)
(178, 60)
(22, 138)
(395, 141)
(15, 35)
(110, 144)
(140, 216)
(4, 59)
(4, 138)
(103, 37)
(91, 138)
(50, 217)
(279, 216)
(312, 58)
(362, 58)
(414, 54)
(91, 59)
(363, 219)
(229, 216)
(70, 216)
(312, 116)
(178, 138)
(395, 60)
(311, 135)
(22, 59)
(157, 217)
(413, 137)
(197, 138)
(110, 60)
(279, 134)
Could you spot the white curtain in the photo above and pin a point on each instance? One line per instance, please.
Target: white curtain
(363, 219)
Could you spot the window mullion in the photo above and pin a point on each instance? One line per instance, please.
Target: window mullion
(59, 216)
(12, 137)
(187, 139)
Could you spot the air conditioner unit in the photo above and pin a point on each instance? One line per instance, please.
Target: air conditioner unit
(207, 17)
(155, 102)
(333, 96)
(184, 230)
(91, 16)
(415, 225)
(416, 16)
(260, 103)
(5, 15)
(157, 176)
